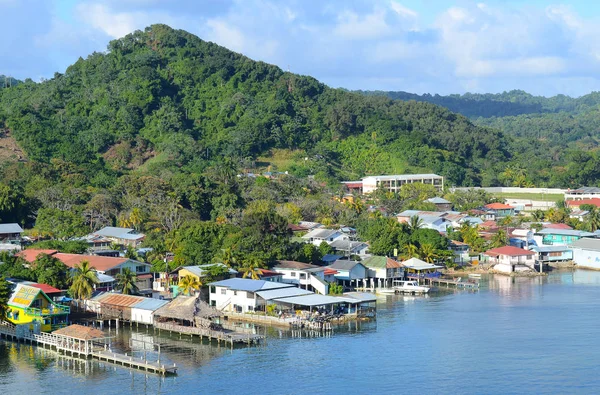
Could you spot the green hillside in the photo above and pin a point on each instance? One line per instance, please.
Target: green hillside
(168, 98)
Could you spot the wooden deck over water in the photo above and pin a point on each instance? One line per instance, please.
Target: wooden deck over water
(227, 336)
(82, 349)
(458, 283)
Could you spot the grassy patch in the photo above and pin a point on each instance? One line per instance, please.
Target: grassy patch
(548, 197)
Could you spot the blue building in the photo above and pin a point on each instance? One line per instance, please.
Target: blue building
(554, 253)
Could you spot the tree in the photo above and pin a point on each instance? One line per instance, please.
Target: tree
(428, 253)
(592, 220)
(4, 296)
(126, 282)
(227, 257)
(251, 267)
(410, 251)
(538, 215)
(189, 284)
(500, 239)
(83, 278)
(415, 223)
(49, 270)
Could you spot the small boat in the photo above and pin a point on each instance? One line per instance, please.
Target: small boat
(474, 275)
(386, 290)
(410, 287)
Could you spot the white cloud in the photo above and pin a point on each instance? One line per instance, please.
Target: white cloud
(351, 25)
(402, 10)
(100, 17)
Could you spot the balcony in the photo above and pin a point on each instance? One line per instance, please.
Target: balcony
(56, 310)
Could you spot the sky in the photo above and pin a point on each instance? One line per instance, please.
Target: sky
(421, 46)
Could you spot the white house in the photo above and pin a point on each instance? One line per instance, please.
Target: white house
(582, 193)
(124, 236)
(350, 247)
(319, 235)
(350, 272)
(586, 253)
(240, 294)
(304, 275)
(393, 183)
(510, 259)
(383, 270)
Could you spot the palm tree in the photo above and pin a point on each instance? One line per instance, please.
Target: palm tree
(227, 257)
(251, 268)
(84, 278)
(500, 239)
(593, 219)
(428, 253)
(538, 215)
(126, 282)
(410, 251)
(415, 223)
(189, 284)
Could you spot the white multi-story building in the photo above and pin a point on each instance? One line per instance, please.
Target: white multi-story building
(582, 193)
(394, 183)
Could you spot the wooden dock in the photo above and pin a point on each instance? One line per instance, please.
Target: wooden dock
(82, 349)
(457, 283)
(225, 336)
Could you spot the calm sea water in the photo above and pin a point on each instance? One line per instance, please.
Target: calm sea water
(519, 335)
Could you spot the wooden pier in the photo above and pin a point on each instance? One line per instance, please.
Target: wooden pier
(83, 349)
(457, 283)
(222, 336)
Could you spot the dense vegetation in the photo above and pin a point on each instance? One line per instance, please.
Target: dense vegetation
(554, 140)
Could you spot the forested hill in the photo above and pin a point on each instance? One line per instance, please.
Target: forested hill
(6, 81)
(512, 103)
(165, 100)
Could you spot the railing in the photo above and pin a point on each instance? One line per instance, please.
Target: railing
(56, 310)
(225, 304)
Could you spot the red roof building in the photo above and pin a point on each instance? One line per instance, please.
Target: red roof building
(508, 251)
(48, 289)
(578, 203)
(557, 226)
(30, 255)
(498, 206)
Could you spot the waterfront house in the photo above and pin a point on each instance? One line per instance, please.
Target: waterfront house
(382, 271)
(304, 275)
(188, 314)
(270, 275)
(30, 305)
(200, 272)
(548, 236)
(578, 214)
(123, 236)
(414, 267)
(349, 272)
(499, 210)
(550, 254)
(135, 309)
(586, 253)
(510, 259)
(460, 250)
(240, 294)
(441, 204)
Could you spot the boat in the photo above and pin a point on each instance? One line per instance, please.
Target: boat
(410, 287)
(386, 290)
(474, 275)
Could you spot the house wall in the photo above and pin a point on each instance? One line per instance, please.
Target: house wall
(587, 258)
(137, 268)
(554, 239)
(228, 300)
(358, 272)
(142, 316)
(555, 256)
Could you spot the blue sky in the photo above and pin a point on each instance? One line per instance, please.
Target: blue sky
(426, 46)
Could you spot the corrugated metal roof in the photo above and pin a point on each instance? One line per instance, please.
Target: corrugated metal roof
(315, 300)
(344, 265)
(243, 284)
(115, 299)
(119, 233)
(438, 200)
(587, 244)
(361, 296)
(10, 228)
(150, 304)
(564, 232)
(282, 293)
(417, 264)
(549, 248)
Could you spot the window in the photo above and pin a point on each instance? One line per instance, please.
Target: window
(250, 308)
(213, 303)
(213, 289)
(140, 269)
(223, 291)
(234, 293)
(293, 274)
(249, 295)
(302, 275)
